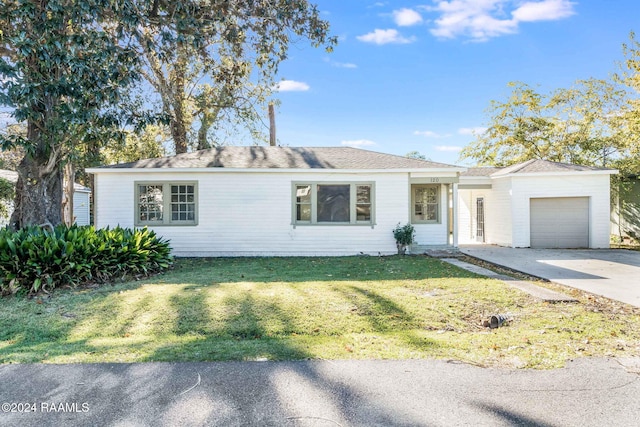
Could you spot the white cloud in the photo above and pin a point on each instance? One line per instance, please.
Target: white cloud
(481, 20)
(406, 17)
(448, 148)
(344, 65)
(478, 130)
(430, 134)
(547, 10)
(358, 143)
(340, 64)
(379, 37)
(472, 18)
(291, 86)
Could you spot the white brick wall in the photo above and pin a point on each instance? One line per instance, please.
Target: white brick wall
(499, 213)
(434, 234)
(249, 213)
(596, 187)
(465, 223)
(467, 215)
(507, 219)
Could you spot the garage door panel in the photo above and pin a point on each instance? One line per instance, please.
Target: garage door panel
(560, 222)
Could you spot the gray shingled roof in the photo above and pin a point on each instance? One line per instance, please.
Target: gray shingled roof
(255, 157)
(480, 171)
(541, 166)
(530, 166)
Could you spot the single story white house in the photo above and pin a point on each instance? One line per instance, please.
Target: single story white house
(81, 195)
(246, 201)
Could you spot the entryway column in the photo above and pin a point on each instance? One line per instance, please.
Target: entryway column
(455, 214)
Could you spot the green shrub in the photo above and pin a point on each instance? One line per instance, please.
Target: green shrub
(34, 259)
(404, 235)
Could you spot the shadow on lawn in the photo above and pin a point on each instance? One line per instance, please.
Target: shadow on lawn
(226, 393)
(203, 271)
(236, 334)
(113, 315)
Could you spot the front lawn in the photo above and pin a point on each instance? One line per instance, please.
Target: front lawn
(310, 308)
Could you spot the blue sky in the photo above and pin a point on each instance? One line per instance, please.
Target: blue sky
(420, 75)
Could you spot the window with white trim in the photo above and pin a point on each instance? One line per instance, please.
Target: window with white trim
(425, 203)
(166, 203)
(333, 203)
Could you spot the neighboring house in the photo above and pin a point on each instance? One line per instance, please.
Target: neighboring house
(538, 204)
(81, 209)
(245, 201)
(279, 200)
(625, 208)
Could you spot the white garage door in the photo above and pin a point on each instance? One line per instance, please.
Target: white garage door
(561, 222)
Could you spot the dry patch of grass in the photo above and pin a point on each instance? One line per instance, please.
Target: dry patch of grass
(299, 308)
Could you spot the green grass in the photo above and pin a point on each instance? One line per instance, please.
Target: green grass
(310, 308)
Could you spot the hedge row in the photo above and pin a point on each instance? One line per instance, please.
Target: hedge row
(35, 259)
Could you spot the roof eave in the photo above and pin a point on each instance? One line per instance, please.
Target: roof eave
(271, 170)
(556, 173)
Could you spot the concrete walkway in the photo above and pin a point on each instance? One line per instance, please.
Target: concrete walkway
(612, 273)
(588, 392)
(535, 291)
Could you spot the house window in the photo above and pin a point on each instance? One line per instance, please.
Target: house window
(166, 203)
(333, 203)
(303, 203)
(363, 203)
(426, 203)
(150, 204)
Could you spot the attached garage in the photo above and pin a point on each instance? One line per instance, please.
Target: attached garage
(559, 222)
(537, 204)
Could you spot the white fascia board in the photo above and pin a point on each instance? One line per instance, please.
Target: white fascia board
(572, 173)
(96, 171)
(436, 173)
(475, 180)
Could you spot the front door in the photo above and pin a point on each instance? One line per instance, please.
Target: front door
(480, 219)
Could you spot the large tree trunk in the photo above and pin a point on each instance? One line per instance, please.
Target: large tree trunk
(207, 119)
(39, 187)
(38, 195)
(180, 121)
(203, 142)
(179, 134)
(68, 189)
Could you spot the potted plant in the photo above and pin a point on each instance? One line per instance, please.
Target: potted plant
(404, 235)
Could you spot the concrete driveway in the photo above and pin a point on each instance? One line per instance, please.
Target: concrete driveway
(612, 273)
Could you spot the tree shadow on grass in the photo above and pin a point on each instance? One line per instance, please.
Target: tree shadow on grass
(225, 393)
(52, 328)
(238, 334)
(386, 316)
(204, 271)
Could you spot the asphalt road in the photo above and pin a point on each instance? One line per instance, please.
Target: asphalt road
(588, 392)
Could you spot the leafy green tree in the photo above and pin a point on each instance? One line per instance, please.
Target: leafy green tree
(6, 197)
(629, 76)
(224, 71)
(67, 68)
(579, 125)
(64, 65)
(10, 159)
(147, 144)
(416, 155)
